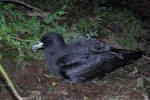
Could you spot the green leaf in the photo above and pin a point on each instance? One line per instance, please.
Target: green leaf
(60, 12)
(9, 6)
(7, 38)
(48, 19)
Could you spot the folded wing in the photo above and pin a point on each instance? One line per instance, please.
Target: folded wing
(77, 67)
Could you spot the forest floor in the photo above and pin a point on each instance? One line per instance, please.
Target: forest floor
(33, 81)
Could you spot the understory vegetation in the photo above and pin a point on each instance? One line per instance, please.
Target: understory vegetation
(18, 30)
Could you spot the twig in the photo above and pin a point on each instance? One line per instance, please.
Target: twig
(21, 39)
(38, 78)
(44, 14)
(31, 54)
(146, 78)
(10, 84)
(25, 4)
(117, 92)
(37, 14)
(10, 48)
(147, 87)
(47, 76)
(146, 57)
(19, 89)
(22, 50)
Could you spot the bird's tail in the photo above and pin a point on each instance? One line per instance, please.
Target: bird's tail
(127, 57)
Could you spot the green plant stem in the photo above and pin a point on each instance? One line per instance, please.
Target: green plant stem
(10, 84)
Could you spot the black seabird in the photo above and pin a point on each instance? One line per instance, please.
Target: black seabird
(83, 60)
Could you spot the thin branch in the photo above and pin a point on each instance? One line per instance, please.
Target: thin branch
(19, 89)
(147, 87)
(10, 48)
(21, 39)
(117, 92)
(146, 78)
(37, 14)
(146, 57)
(10, 84)
(31, 54)
(47, 76)
(25, 4)
(22, 50)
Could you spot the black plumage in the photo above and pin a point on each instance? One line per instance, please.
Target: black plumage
(83, 60)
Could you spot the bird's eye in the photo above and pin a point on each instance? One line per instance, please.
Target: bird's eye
(47, 39)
